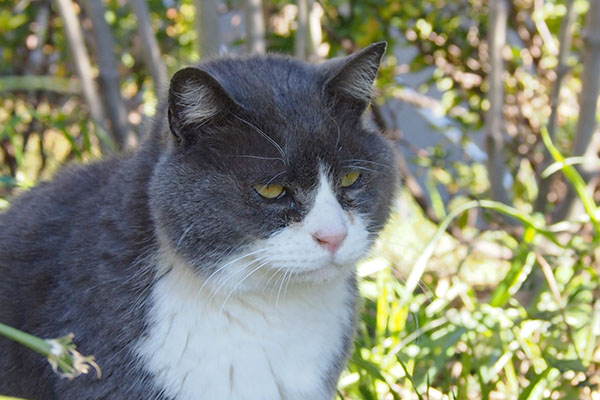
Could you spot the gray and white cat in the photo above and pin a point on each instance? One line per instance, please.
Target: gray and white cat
(218, 260)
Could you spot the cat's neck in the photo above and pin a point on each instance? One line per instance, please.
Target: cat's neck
(286, 343)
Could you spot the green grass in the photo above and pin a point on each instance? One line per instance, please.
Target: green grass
(467, 324)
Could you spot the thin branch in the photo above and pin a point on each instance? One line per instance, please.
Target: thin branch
(565, 39)
(152, 54)
(301, 43)
(40, 30)
(255, 27)
(109, 78)
(207, 27)
(586, 138)
(82, 64)
(496, 164)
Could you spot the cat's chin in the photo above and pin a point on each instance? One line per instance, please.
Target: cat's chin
(323, 274)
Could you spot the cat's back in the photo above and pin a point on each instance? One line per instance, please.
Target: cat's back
(77, 234)
(45, 234)
(46, 216)
(34, 234)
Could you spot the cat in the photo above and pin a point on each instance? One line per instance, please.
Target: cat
(218, 260)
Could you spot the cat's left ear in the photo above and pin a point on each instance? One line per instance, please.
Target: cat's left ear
(196, 98)
(351, 79)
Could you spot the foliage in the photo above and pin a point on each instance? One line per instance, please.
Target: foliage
(534, 335)
(472, 300)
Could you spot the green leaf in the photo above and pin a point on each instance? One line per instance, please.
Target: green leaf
(46, 83)
(574, 178)
(565, 365)
(535, 390)
(520, 269)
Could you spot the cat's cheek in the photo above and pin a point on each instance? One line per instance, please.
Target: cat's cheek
(357, 242)
(294, 249)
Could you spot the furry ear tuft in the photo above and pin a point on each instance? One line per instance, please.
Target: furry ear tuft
(195, 98)
(352, 77)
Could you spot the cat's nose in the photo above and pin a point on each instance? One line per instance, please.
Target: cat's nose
(330, 240)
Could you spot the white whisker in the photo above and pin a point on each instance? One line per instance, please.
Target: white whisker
(261, 158)
(363, 168)
(275, 177)
(274, 273)
(288, 282)
(280, 287)
(238, 270)
(220, 268)
(267, 137)
(185, 232)
(240, 282)
(358, 160)
(337, 140)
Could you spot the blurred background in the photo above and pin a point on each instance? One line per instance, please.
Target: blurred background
(485, 283)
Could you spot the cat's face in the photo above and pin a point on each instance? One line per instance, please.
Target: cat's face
(271, 175)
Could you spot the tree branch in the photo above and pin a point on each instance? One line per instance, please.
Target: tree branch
(255, 27)
(586, 134)
(82, 64)
(152, 54)
(110, 85)
(564, 40)
(207, 26)
(496, 164)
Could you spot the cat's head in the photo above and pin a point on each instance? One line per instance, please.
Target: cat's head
(271, 171)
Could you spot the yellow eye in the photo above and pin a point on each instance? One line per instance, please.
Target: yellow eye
(270, 191)
(350, 179)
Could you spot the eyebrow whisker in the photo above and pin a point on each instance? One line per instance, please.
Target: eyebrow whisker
(264, 135)
(259, 157)
(275, 177)
(357, 160)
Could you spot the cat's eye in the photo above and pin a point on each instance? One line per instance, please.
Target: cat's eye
(272, 191)
(350, 179)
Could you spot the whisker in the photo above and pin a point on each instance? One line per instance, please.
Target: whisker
(363, 168)
(240, 282)
(337, 141)
(358, 160)
(239, 269)
(267, 137)
(185, 232)
(275, 177)
(279, 291)
(260, 158)
(274, 273)
(288, 282)
(280, 273)
(219, 269)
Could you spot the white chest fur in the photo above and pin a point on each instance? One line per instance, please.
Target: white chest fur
(255, 347)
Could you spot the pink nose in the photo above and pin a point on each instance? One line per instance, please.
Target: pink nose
(331, 241)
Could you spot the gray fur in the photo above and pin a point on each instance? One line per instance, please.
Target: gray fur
(78, 254)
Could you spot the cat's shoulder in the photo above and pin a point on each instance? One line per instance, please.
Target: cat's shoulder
(73, 190)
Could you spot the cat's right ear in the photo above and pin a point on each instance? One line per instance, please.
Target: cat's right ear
(196, 98)
(350, 79)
